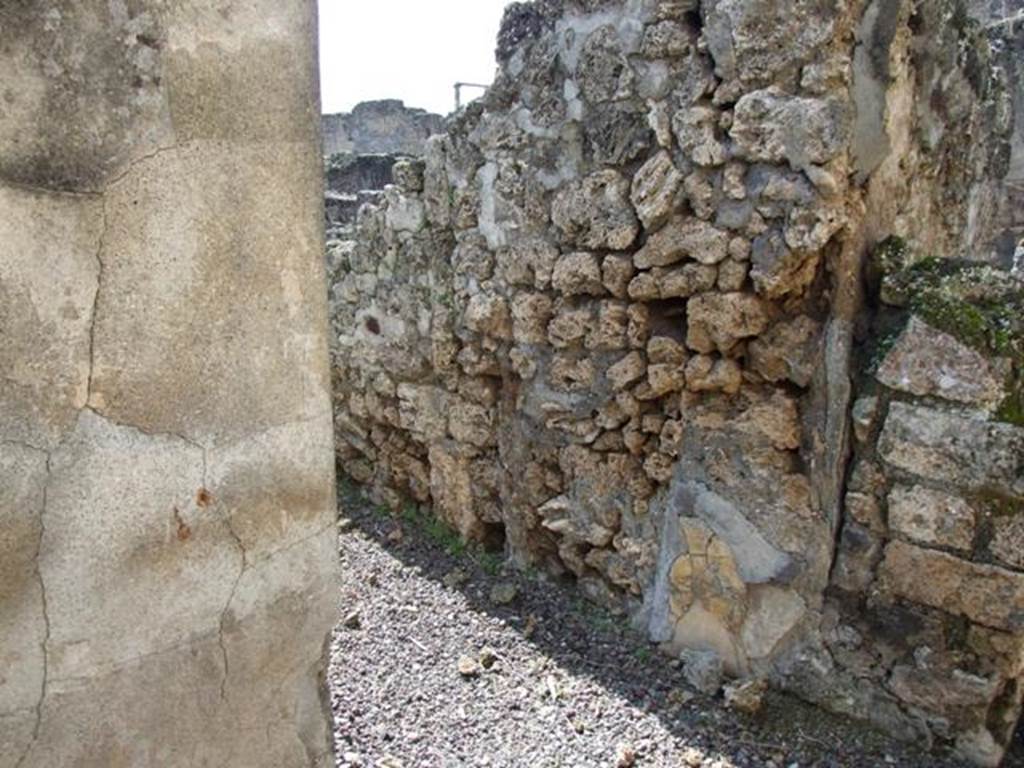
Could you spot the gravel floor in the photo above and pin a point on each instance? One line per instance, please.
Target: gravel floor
(546, 679)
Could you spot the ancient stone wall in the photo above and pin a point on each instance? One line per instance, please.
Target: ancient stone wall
(617, 321)
(167, 540)
(386, 126)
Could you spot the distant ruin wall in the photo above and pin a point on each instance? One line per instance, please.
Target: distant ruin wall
(168, 563)
(380, 127)
(707, 305)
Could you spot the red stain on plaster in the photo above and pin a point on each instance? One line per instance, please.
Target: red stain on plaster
(184, 533)
(203, 498)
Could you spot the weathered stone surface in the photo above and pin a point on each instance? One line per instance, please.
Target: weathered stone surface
(787, 350)
(577, 274)
(719, 320)
(925, 362)
(1008, 540)
(985, 594)
(487, 313)
(596, 213)
(655, 189)
(602, 72)
(756, 42)
(696, 131)
(680, 239)
(450, 487)
(777, 270)
(530, 315)
(626, 371)
(930, 517)
(705, 373)
(616, 273)
(967, 451)
(771, 126)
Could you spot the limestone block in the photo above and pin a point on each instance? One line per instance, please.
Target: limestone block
(1008, 540)
(451, 489)
(664, 349)
(528, 262)
(565, 517)
(683, 237)
(603, 72)
(755, 41)
(655, 190)
(471, 423)
(423, 411)
(864, 416)
(487, 313)
(616, 272)
(774, 419)
(771, 126)
(720, 320)
(779, 271)
(627, 371)
(530, 315)
(696, 131)
(570, 325)
(685, 281)
(963, 450)
(928, 362)
(931, 517)
(985, 594)
(703, 670)
(577, 274)
(706, 373)
(774, 612)
(864, 508)
(610, 331)
(595, 212)
(404, 213)
(639, 325)
(732, 275)
(666, 39)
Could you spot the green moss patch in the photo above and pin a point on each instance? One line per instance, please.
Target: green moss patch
(977, 304)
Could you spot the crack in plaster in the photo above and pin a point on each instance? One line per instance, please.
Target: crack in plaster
(226, 518)
(46, 620)
(137, 161)
(88, 192)
(135, 428)
(96, 299)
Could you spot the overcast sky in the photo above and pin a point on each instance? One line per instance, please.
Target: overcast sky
(414, 50)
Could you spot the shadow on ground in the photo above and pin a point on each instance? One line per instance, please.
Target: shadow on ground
(586, 641)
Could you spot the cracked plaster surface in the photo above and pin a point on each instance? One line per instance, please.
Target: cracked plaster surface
(166, 471)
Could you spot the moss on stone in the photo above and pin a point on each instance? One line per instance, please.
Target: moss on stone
(977, 304)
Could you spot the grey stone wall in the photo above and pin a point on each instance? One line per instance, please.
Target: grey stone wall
(386, 126)
(167, 548)
(613, 322)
